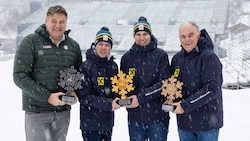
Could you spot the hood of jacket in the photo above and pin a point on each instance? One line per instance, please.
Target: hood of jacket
(205, 41)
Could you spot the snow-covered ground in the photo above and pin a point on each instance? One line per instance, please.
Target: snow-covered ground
(236, 114)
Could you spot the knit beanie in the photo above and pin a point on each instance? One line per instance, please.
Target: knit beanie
(142, 25)
(104, 35)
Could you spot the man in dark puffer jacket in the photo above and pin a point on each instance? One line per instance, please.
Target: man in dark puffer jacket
(37, 63)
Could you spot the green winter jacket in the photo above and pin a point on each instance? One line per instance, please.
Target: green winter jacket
(36, 68)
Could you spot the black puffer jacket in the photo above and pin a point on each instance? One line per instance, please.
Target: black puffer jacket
(36, 68)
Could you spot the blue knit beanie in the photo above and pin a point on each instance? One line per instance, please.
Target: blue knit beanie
(142, 25)
(104, 35)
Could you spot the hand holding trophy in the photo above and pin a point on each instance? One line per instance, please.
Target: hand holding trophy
(171, 89)
(70, 80)
(122, 84)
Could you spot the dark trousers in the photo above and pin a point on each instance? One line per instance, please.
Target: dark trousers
(97, 135)
(210, 135)
(151, 132)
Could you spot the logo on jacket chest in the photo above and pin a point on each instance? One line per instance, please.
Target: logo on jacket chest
(176, 72)
(100, 81)
(131, 72)
(47, 46)
(65, 47)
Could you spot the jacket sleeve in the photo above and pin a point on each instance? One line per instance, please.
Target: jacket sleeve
(211, 84)
(22, 72)
(154, 91)
(87, 96)
(79, 56)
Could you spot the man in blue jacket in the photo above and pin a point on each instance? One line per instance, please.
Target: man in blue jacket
(148, 65)
(200, 112)
(97, 101)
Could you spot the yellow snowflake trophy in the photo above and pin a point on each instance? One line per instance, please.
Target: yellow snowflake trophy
(122, 84)
(171, 89)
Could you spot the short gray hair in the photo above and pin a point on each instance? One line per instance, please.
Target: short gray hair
(191, 23)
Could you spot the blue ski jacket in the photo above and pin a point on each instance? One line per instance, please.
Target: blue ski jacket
(148, 65)
(201, 72)
(96, 97)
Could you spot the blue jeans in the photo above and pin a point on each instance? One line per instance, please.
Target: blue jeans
(97, 135)
(153, 132)
(210, 135)
(47, 126)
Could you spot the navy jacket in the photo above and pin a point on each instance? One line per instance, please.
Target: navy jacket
(148, 65)
(201, 73)
(96, 97)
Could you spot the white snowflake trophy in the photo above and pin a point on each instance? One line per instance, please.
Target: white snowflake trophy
(70, 80)
(122, 84)
(171, 89)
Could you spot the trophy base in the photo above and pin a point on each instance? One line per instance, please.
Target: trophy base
(124, 102)
(168, 107)
(70, 99)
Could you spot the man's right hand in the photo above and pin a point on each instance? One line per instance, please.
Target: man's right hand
(134, 103)
(54, 99)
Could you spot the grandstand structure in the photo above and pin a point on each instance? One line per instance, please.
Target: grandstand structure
(86, 17)
(165, 16)
(236, 64)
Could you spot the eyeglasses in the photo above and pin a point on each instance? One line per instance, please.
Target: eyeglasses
(56, 9)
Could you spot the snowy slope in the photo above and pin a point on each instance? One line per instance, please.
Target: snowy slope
(236, 114)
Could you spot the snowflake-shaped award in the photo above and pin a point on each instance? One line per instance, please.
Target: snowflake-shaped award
(122, 84)
(171, 89)
(70, 80)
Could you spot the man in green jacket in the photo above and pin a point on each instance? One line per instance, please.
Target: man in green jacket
(37, 65)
